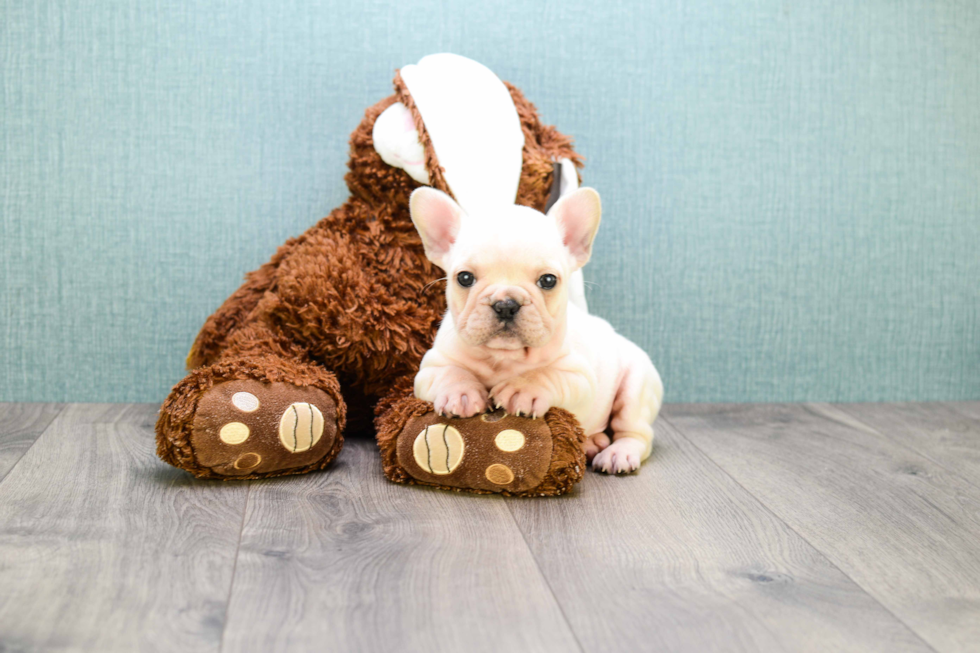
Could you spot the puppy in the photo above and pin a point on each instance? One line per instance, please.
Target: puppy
(512, 340)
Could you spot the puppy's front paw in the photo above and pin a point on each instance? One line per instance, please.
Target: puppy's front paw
(621, 457)
(461, 400)
(522, 396)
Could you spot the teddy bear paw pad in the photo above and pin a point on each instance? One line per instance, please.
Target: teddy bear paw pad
(492, 452)
(246, 427)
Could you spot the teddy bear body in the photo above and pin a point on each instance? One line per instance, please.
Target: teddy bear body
(333, 326)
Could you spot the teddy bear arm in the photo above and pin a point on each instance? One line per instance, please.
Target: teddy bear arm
(363, 302)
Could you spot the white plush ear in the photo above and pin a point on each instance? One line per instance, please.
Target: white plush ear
(436, 217)
(578, 215)
(397, 141)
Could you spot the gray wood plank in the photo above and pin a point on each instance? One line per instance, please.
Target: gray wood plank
(347, 561)
(105, 548)
(936, 430)
(968, 408)
(904, 528)
(679, 557)
(20, 426)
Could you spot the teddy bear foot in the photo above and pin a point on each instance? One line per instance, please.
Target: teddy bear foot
(249, 429)
(489, 453)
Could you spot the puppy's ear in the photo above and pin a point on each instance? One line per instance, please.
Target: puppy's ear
(436, 217)
(578, 215)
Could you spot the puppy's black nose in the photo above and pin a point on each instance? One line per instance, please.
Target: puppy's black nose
(506, 309)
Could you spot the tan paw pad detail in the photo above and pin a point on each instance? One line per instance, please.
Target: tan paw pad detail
(499, 474)
(438, 449)
(249, 428)
(245, 402)
(233, 433)
(248, 460)
(495, 416)
(300, 427)
(509, 440)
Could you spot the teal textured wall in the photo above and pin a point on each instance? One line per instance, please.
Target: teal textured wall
(792, 189)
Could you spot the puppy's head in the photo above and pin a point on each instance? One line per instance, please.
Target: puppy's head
(507, 267)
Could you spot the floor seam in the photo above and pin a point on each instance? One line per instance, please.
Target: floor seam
(547, 583)
(234, 568)
(810, 544)
(908, 447)
(36, 440)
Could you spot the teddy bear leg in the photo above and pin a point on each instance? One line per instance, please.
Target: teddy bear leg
(252, 417)
(489, 453)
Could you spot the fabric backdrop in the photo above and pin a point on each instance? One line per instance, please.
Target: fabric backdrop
(791, 188)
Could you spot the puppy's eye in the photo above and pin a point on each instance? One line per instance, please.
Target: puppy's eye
(547, 281)
(465, 279)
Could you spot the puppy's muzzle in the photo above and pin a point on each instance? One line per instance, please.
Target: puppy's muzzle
(506, 309)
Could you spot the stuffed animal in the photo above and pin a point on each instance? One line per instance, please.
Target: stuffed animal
(330, 332)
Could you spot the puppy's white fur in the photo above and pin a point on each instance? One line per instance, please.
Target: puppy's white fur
(552, 353)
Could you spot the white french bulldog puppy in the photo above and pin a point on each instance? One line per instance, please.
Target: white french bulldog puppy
(512, 339)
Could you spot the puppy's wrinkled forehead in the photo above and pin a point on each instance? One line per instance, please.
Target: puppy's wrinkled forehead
(508, 237)
(506, 232)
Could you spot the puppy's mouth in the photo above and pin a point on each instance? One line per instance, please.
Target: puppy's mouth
(486, 328)
(507, 336)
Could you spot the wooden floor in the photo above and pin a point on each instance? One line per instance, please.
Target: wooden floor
(751, 528)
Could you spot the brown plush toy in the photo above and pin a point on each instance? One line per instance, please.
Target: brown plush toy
(336, 324)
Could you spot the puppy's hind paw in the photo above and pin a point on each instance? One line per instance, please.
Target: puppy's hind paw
(621, 457)
(594, 444)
